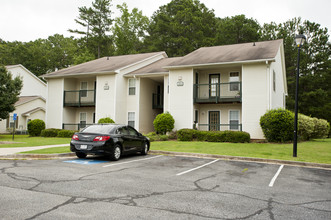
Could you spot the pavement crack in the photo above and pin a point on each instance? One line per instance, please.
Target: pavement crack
(72, 199)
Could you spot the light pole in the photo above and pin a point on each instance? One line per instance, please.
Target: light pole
(299, 40)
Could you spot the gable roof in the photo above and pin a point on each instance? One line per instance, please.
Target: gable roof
(246, 52)
(155, 68)
(103, 65)
(28, 71)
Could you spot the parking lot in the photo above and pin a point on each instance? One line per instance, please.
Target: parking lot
(161, 187)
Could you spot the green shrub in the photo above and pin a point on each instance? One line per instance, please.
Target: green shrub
(237, 136)
(172, 135)
(305, 127)
(50, 132)
(163, 137)
(66, 133)
(186, 134)
(164, 123)
(35, 127)
(105, 120)
(202, 135)
(278, 125)
(321, 128)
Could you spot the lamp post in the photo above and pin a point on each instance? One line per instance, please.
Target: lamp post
(299, 40)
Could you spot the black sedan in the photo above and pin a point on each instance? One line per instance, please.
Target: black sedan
(112, 140)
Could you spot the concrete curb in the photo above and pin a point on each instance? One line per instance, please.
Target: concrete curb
(248, 159)
(169, 153)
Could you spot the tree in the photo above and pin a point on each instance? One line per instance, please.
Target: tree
(237, 29)
(129, 30)
(315, 63)
(181, 27)
(9, 92)
(97, 20)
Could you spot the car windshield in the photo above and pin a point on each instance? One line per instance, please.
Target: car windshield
(102, 129)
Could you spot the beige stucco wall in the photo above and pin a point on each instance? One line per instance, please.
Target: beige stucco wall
(181, 98)
(255, 101)
(105, 97)
(32, 85)
(146, 113)
(54, 107)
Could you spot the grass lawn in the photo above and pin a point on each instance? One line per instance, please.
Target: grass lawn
(316, 151)
(51, 150)
(26, 141)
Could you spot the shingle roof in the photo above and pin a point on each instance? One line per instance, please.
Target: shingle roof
(104, 64)
(263, 50)
(155, 67)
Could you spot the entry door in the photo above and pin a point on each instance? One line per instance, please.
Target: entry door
(214, 121)
(214, 80)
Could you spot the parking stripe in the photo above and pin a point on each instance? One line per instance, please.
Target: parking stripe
(276, 175)
(178, 174)
(109, 165)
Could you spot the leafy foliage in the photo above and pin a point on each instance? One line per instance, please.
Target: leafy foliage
(164, 123)
(105, 120)
(278, 125)
(181, 27)
(66, 133)
(51, 132)
(9, 92)
(35, 127)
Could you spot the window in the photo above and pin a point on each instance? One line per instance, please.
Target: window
(234, 81)
(274, 81)
(83, 88)
(234, 119)
(132, 131)
(82, 119)
(11, 122)
(131, 119)
(132, 86)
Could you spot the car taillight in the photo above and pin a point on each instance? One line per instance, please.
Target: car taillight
(75, 137)
(101, 138)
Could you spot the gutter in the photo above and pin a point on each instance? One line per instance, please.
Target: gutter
(222, 63)
(79, 74)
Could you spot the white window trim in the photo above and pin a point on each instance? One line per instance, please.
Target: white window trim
(134, 119)
(80, 118)
(84, 89)
(234, 81)
(239, 122)
(274, 80)
(135, 86)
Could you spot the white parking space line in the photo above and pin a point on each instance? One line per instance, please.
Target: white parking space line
(110, 165)
(178, 174)
(275, 177)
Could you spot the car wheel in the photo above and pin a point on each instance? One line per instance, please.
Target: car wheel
(116, 153)
(144, 150)
(80, 155)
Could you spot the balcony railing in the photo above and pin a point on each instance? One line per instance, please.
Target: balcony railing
(79, 98)
(74, 127)
(219, 127)
(217, 92)
(157, 101)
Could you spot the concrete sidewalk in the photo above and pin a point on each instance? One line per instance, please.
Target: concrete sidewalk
(15, 150)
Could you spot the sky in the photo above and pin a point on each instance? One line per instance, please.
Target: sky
(28, 20)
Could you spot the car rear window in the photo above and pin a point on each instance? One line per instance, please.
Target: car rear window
(102, 129)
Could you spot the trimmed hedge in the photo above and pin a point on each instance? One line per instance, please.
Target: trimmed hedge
(50, 132)
(278, 125)
(213, 136)
(66, 133)
(164, 123)
(35, 127)
(106, 120)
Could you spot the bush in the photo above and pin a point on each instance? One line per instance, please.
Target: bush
(305, 127)
(186, 134)
(66, 133)
(172, 135)
(278, 125)
(164, 123)
(321, 128)
(163, 137)
(105, 120)
(35, 127)
(51, 132)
